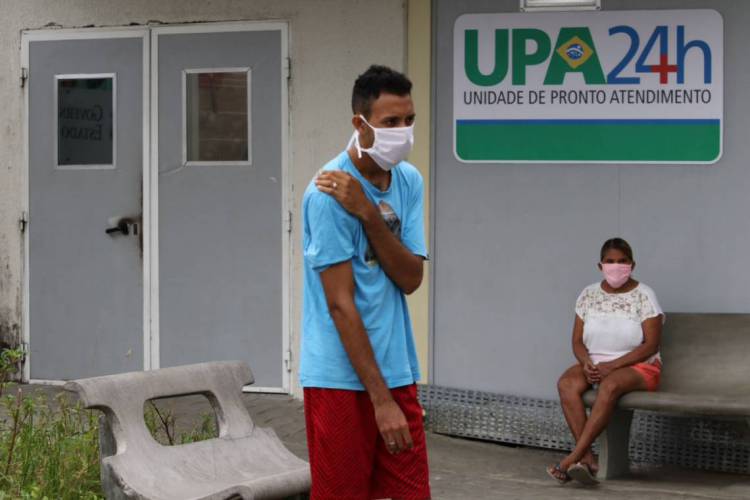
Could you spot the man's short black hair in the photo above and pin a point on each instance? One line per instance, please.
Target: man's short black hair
(376, 80)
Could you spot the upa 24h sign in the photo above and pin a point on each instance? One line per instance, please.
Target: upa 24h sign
(618, 86)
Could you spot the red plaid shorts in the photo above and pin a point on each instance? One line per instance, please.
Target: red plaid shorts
(348, 458)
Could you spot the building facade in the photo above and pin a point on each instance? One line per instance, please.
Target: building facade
(210, 267)
(116, 120)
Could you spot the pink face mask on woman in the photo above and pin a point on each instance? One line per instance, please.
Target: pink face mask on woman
(617, 274)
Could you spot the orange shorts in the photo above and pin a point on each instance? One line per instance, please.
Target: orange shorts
(651, 373)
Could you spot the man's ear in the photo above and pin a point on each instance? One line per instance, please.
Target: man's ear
(632, 268)
(366, 135)
(359, 124)
(599, 265)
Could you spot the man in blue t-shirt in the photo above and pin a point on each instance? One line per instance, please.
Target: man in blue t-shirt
(363, 241)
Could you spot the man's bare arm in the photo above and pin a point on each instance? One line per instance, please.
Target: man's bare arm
(338, 285)
(403, 267)
(399, 264)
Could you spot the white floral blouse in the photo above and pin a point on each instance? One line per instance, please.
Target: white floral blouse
(612, 322)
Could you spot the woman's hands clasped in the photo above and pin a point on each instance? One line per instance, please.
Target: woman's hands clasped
(591, 372)
(596, 373)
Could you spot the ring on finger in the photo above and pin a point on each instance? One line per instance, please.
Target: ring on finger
(334, 184)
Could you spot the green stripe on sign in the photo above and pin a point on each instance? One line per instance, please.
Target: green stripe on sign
(618, 142)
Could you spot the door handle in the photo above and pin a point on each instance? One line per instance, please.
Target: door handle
(125, 226)
(121, 227)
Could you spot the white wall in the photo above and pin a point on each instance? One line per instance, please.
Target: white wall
(331, 42)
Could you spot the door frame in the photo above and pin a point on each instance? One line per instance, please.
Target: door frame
(150, 192)
(28, 36)
(286, 191)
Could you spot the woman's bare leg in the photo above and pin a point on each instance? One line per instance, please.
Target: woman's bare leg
(616, 384)
(570, 387)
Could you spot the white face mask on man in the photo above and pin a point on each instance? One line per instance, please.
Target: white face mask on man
(390, 147)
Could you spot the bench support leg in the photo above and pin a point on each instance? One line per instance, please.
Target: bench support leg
(613, 446)
(107, 448)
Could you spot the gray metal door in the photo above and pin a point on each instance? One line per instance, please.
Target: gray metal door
(220, 203)
(85, 167)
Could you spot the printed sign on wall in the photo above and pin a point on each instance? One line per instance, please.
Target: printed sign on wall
(617, 86)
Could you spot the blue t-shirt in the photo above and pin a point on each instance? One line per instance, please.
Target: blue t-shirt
(331, 235)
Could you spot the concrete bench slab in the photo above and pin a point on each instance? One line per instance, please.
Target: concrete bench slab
(705, 372)
(244, 461)
(681, 404)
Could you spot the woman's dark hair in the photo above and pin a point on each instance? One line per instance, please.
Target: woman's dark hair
(373, 82)
(617, 244)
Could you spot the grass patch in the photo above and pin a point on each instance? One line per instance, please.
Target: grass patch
(49, 448)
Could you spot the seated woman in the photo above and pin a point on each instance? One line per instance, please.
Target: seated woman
(616, 341)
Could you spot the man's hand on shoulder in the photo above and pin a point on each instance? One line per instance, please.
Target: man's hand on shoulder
(347, 190)
(403, 267)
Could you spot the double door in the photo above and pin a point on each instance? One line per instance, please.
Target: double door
(156, 200)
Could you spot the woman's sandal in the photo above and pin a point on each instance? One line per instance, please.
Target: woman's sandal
(559, 475)
(583, 474)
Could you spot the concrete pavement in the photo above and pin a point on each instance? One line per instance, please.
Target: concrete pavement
(465, 469)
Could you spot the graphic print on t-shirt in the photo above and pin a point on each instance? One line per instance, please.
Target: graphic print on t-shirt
(393, 223)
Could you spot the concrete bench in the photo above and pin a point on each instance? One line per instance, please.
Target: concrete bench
(705, 372)
(244, 461)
